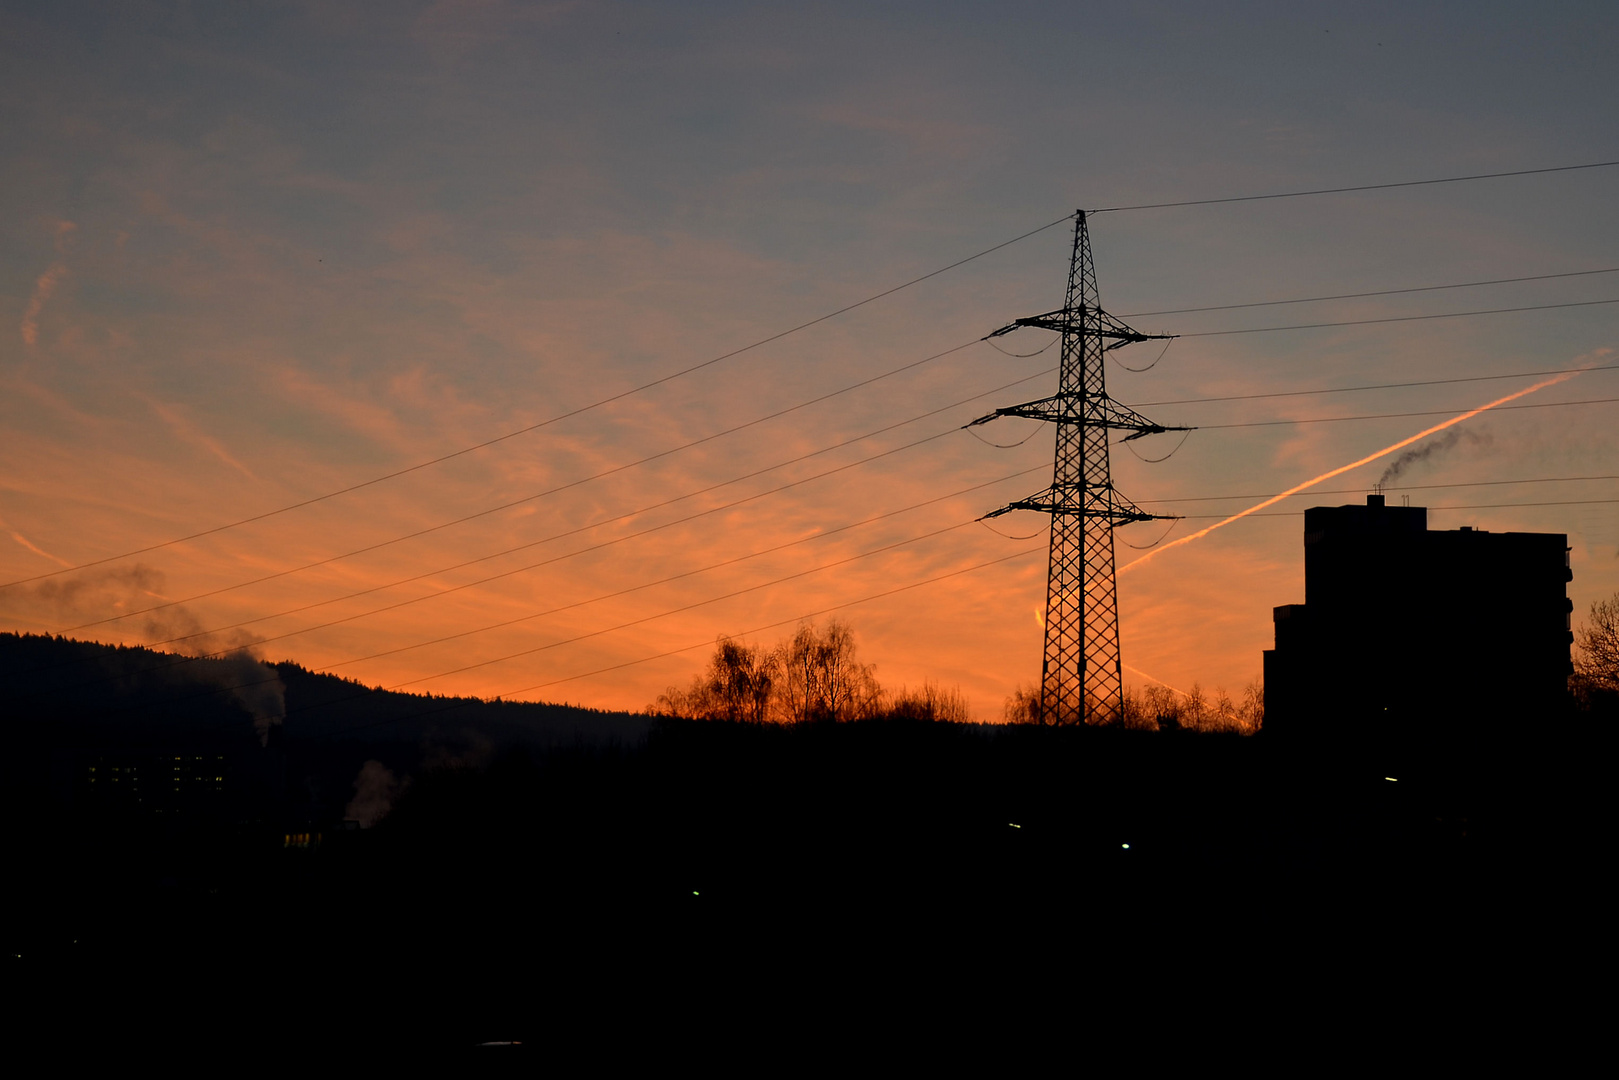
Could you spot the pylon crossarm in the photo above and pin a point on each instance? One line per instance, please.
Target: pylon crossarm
(1127, 335)
(1114, 516)
(1083, 320)
(1150, 429)
(1061, 320)
(1127, 419)
(1062, 409)
(1043, 409)
(1125, 512)
(1033, 410)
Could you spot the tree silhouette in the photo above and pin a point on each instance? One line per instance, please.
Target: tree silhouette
(1022, 705)
(815, 675)
(1597, 661)
(738, 686)
(931, 703)
(822, 679)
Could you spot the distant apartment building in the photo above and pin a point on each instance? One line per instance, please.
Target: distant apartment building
(156, 783)
(1410, 634)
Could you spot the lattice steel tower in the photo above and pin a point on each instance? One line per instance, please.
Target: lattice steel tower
(1082, 678)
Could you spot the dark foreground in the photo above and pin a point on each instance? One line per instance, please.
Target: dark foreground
(766, 897)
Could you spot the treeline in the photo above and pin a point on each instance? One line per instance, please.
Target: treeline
(814, 676)
(817, 675)
(1162, 708)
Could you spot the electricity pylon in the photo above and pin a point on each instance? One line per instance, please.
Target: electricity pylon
(1082, 677)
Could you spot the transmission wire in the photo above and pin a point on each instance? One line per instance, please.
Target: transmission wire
(544, 423)
(1393, 416)
(1150, 366)
(1155, 543)
(531, 498)
(1376, 386)
(1362, 295)
(1357, 187)
(1153, 461)
(1400, 318)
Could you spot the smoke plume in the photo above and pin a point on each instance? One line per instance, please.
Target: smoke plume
(1418, 454)
(226, 660)
(375, 790)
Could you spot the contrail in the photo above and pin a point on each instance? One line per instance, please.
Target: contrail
(1402, 444)
(1160, 682)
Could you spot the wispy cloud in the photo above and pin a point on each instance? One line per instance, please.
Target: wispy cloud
(43, 288)
(187, 431)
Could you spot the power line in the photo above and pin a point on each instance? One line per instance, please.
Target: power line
(808, 615)
(799, 574)
(321, 626)
(740, 478)
(1380, 386)
(285, 573)
(279, 574)
(702, 570)
(544, 423)
(1357, 187)
(621, 592)
(1393, 416)
(1399, 319)
(696, 645)
(759, 343)
(218, 689)
(1402, 487)
(294, 570)
(370, 691)
(1465, 506)
(1362, 295)
(696, 442)
(506, 506)
(794, 619)
(662, 614)
(538, 495)
(551, 611)
(1492, 506)
(897, 288)
(570, 532)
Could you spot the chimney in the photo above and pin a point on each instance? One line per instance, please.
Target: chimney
(1375, 501)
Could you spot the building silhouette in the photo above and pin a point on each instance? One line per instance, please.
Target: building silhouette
(1419, 638)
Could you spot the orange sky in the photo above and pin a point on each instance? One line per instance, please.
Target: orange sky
(243, 269)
